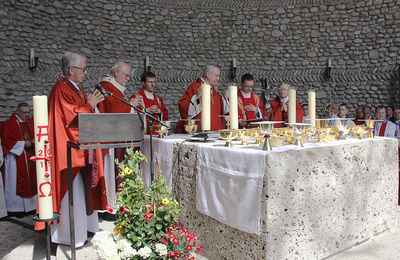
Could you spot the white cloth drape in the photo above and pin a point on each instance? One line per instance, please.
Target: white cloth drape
(229, 186)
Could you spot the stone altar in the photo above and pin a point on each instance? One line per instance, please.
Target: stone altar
(316, 201)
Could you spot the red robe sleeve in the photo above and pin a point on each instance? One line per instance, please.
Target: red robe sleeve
(184, 103)
(65, 103)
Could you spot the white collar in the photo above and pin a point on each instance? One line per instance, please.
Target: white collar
(19, 119)
(75, 85)
(286, 99)
(246, 95)
(110, 79)
(148, 94)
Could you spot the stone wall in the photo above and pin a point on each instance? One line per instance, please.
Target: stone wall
(287, 40)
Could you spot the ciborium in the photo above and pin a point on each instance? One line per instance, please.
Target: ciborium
(228, 135)
(161, 130)
(266, 128)
(298, 131)
(243, 134)
(191, 127)
(360, 130)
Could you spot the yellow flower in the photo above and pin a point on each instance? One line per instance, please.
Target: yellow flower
(165, 201)
(126, 171)
(117, 229)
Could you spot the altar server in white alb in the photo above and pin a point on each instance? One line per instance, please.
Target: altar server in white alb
(384, 127)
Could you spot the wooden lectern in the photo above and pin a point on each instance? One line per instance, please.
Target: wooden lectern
(100, 131)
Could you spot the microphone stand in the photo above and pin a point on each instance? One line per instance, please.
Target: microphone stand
(151, 123)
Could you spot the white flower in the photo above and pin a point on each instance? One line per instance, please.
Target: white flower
(125, 249)
(145, 252)
(103, 243)
(161, 249)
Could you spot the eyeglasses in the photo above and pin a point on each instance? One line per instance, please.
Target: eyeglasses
(83, 69)
(126, 75)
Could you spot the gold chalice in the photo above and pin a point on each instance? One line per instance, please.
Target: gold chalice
(228, 135)
(343, 129)
(244, 135)
(361, 130)
(190, 128)
(299, 129)
(256, 133)
(161, 130)
(371, 125)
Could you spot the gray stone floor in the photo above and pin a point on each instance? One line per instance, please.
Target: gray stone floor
(19, 241)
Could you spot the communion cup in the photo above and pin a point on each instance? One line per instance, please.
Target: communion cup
(228, 135)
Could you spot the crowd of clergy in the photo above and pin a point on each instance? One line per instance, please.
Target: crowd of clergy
(95, 175)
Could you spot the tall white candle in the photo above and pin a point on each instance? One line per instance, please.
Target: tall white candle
(233, 108)
(205, 107)
(43, 172)
(311, 107)
(292, 106)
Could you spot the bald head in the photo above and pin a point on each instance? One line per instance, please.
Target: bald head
(121, 72)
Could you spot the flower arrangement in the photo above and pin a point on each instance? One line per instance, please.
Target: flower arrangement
(147, 224)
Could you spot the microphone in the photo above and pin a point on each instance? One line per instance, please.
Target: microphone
(102, 90)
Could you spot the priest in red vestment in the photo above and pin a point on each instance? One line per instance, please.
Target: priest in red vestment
(20, 172)
(153, 104)
(250, 104)
(66, 100)
(190, 103)
(384, 127)
(359, 116)
(115, 83)
(280, 106)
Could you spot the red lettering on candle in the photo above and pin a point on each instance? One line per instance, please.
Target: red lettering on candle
(41, 191)
(40, 134)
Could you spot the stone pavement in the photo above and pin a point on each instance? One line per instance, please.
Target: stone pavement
(19, 241)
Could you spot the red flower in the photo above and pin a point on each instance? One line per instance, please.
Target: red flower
(123, 209)
(188, 248)
(188, 239)
(191, 234)
(163, 240)
(172, 253)
(176, 241)
(148, 216)
(109, 209)
(186, 256)
(178, 255)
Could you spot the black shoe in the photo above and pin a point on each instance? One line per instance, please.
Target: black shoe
(107, 216)
(16, 214)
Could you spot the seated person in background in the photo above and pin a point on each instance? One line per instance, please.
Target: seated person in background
(250, 104)
(330, 114)
(305, 109)
(343, 110)
(385, 127)
(389, 113)
(396, 119)
(359, 116)
(153, 104)
(280, 106)
(190, 103)
(368, 113)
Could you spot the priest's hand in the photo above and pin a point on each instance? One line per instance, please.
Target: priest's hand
(137, 101)
(251, 108)
(242, 123)
(95, 98)
(153, 110)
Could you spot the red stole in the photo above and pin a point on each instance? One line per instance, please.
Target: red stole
(382, 129)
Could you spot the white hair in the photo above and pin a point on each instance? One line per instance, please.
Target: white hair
(210, 68)
(71, 59)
